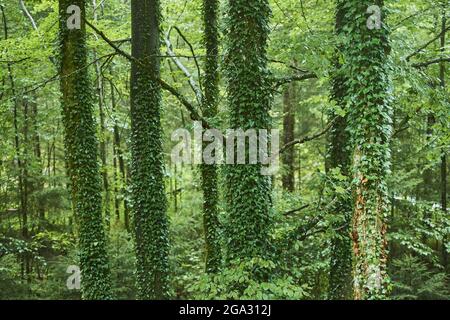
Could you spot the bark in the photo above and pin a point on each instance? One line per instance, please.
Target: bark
(38, 159)
(116, 147)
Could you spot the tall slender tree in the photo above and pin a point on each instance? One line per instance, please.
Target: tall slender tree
(366, 67)
(443, 187)
(102, 129)
(147, 183)
(209, 171)
(248, 192)
(340, 286)
(81, 150)
(288, 156)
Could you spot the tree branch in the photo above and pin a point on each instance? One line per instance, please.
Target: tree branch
(27, 13)
(197, 90)
(290, 212)
(288, 65)
(194, 56)
(434, 61)
(426, 44)
(192, 110)
(309, 138)
(300, 77)
(112, 44)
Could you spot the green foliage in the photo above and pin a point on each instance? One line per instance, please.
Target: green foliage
(238, 282)
(413, 280)
(123, 261)
(54, 242)
(291, 245)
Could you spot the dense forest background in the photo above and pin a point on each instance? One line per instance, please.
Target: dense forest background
(358, 208)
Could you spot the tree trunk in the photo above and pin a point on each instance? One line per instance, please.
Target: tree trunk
(103, 133)
(428, 193)
(116, 151)
(119, 157)
(147, 183)
(209, 172)
(20, 160)
(288, 156)
(444, 155)
(38, 156)
(340, 282)
(248, 192)
(366, 64)
(81, 153)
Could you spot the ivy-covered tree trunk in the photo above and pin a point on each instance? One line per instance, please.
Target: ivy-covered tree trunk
(81, 155)
(248, 192)
(366, 67)
(340, 282)
(147, 176)
(209, 172)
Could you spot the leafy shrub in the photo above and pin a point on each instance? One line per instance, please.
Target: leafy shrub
(239, 282)
(412, 280)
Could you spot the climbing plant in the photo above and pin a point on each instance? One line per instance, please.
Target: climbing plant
(340, 286)
(81, 153)
(248, 192)
(147, 184)
(366, 64)
(210, 79)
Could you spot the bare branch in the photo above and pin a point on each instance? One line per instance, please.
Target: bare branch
(290, 212)
(27, 13)
(112, 44)
(434, 61)
(192, 110)
(288, 65)
(299, 77)
(179, 64)
(426, 44)
(194, 56)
